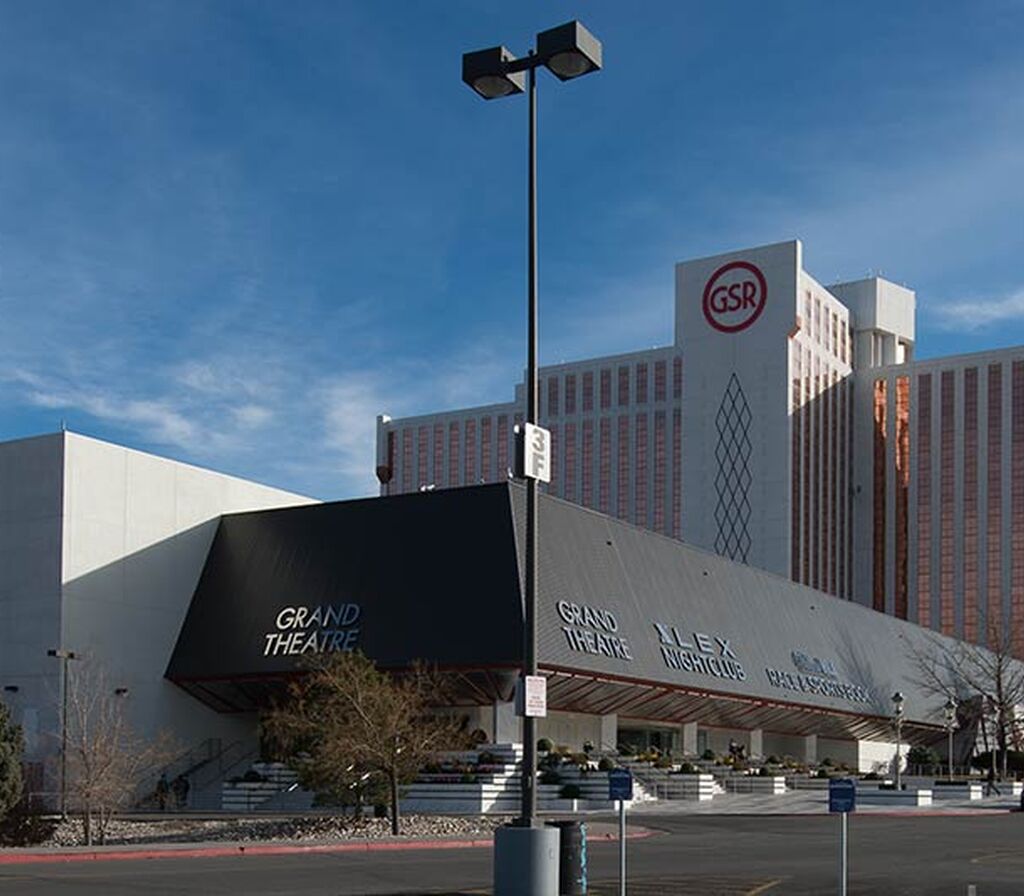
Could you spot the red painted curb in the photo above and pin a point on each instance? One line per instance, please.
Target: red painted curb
(25, 858)
(210, 852)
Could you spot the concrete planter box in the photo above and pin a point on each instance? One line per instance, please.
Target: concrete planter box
(957, 791)
(698, 788)
(913, 797)
(774, 785)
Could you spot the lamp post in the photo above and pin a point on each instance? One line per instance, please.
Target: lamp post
(897, 719)
(950, 717)
(568, 51)
(64, 656)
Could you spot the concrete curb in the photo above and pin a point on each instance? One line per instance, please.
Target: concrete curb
(188, 851)
(121, 853)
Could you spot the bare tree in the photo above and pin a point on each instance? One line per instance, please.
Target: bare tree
(354, 721)
(106, 759)
(988, 674)
(11, 749)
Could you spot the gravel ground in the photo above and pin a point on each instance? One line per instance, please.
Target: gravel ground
(177, 830)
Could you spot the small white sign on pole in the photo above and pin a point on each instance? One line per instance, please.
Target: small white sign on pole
(533, 696)
(536, 452)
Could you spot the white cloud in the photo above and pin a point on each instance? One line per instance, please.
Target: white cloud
(977, 314)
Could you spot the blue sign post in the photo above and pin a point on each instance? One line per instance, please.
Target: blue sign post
(620, 787)
(620, 784)
(842, 798)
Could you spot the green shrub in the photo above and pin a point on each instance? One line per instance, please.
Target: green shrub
(543, 745)
(821, 773)
(922, 756)
(570, 792)
(773, 759)
(550, 776)
(1014, 760)
(764, 772)
(605, 764)
(688, 768)
(826, 761)
(708, 755)
(487, 758)
(663, 762)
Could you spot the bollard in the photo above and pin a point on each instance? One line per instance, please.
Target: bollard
(572, 857)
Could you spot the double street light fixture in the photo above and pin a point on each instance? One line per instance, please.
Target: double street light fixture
(568, 51)
(897, 720)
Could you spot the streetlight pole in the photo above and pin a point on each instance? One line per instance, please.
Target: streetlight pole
(568, 51)
(897, 703)
(950, 709)
(64, 656)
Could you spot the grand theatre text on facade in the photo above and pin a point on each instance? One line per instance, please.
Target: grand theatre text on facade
(834, 476)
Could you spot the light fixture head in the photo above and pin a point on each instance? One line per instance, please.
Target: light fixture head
(569, 50)
(897, 701)
(486, 71)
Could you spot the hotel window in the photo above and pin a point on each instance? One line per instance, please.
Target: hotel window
(947, 497)
(641, 383)
(902, 589)
(606, 389)
(623, 386)
(659, 380)
(485, 449)
(503, 463)
(622, 477)
(569, 485)
(438, 473)
(924, 500)
(878, 502)
(677, 468)
(659, 471)
(453, 455)
(587, 464)
(469, 466)
(994, 479)
(552, 396)
(407, 460)
(604, 464)
(422, 444)
(588, 391)
(570, 393)
(970, 516)
(1017, 510)
(640, 492)
(677, 377)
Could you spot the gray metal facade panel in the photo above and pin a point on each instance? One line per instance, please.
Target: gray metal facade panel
(592, 560)
(437, 577)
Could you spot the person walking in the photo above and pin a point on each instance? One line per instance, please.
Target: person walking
(163, 791)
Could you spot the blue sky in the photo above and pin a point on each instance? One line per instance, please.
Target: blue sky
(234, 232)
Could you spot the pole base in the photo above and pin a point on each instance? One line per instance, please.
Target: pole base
(526, 861)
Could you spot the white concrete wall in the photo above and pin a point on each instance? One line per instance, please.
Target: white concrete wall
(30, 551)
(758, 357)
(136, 534)
(101, 548)
(570, 729)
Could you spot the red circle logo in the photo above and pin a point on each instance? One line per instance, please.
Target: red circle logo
(735, 296)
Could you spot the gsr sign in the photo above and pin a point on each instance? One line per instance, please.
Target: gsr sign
(735, 296)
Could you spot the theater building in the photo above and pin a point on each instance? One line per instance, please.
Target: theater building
(796, 418)
(197, 595)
